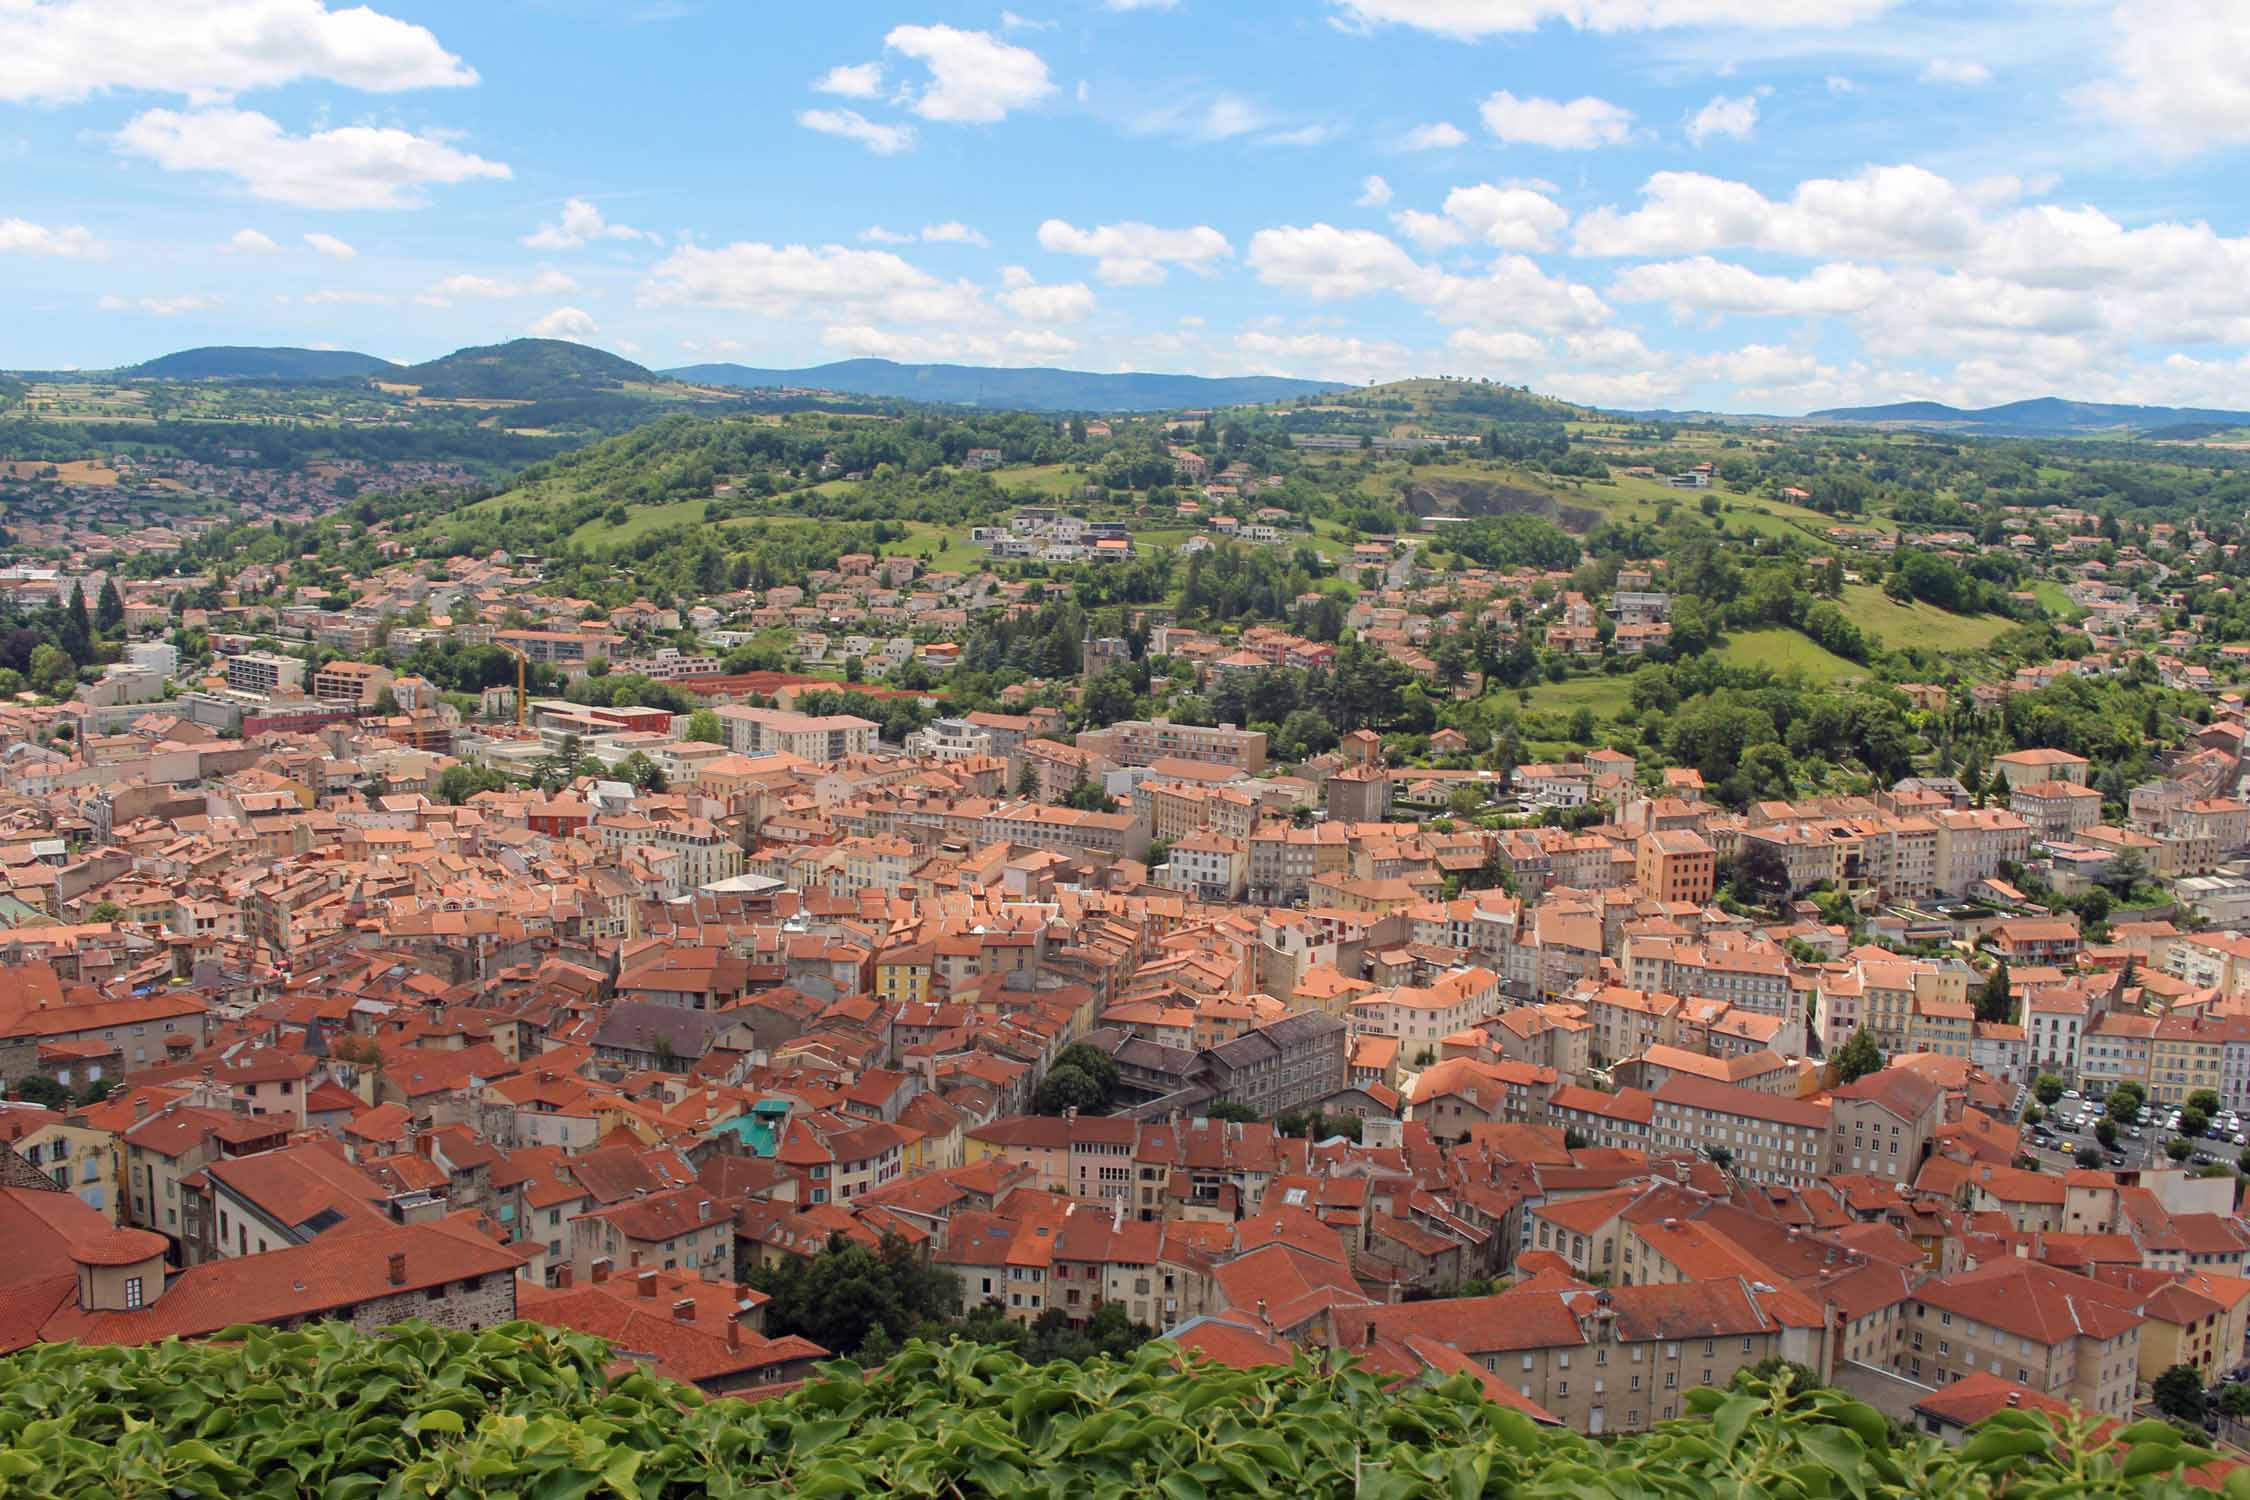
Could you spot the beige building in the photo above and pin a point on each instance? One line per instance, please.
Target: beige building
(1883, 1124)
(2057, 1333)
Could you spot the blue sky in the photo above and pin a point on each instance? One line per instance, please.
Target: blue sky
(1767, 205)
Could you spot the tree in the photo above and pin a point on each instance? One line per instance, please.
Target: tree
(2204, 1102)
(1721, 1157)
(77, 634)
(1066, 1088)
(2105, 1131)
(2126, 872)
(2178, 1392)
(459, 783)
(2087, 1156)
(2179, 1148)
(52, 670)
(2048, 1087)
(2194, 1124)
(1858, 1057)
(38, 1088)
(703, 727)
(1094, 1063)
(109, 613)
(841, 1296)
(1995, 1000)
(1574, 1139)
(1760, 874)
(2123, 1104)
(1027, 785)
(2234, 1400)
(106, 911)
(1227, 1109)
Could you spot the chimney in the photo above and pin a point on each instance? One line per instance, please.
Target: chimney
(2015, 1398)
(734, 1335)
(563, 1279)
(645, 1282)
(1370, 1333)
(601, 1271)
(683, 1311)
(1261, 1309)
(398, 1268)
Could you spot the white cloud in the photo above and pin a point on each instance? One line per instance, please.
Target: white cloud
(1430, 231)
(1733, 118)
(2180, 73)
(1953, 70)
(1513, 349)
(1374, 192)
(540, 284)
(975, 78)
(1134, 254)
(1010, 21)
(713, 346)
(954, 232)
(250, 242)
(581, 223)
(852, 80)
(788, 280)
(1512, 217)
(573, 323)
(1443, 135)
(73, 242)
(870, 341)
(1839, 84)
(349, 167)
(1057, 302)
(159, 307)
(1466, 20)
(1326, 263)
(1040, 343)
(1884, 211)
(1323, 356)
(876, 234)
(883, 140)
(328, 295)
(330, 246)
(1139, 4)
(1578, 125)
(1706, 285)
(61, 51)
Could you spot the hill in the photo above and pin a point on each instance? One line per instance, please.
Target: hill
(2047, 416)
(524, 370)
(1024, 388)
(240, 362)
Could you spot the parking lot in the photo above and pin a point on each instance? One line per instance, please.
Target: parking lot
(2069, 1127)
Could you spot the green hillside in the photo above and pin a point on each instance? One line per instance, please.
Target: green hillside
(524, 370)
(236, 362)
(525, 1410)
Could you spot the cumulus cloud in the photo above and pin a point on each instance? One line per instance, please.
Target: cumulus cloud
(581, 223)
(1578, 125)
(1323, 356)
(1511, 217)
(1733, 118)
(573, 323)
(852, 80)
(783, 281)
(954, 232)
(1702, 284)
(250, 242)
(975, 78)
(72, 242)
(1441, 135)
(1055, 302)
(1498, 348)
(348, 295)
(62, 51)
(330, 246)
(2179, 74)
(349, 167)
(1466, 20)
(1135, 254)
(1327, 264)
(1429, 231)
(883, 140)
(1374, 192)
(1883, 211)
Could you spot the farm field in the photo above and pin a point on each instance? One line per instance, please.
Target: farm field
(1604, 695)
(1051, 481)
(639, 523)
(1923, 625)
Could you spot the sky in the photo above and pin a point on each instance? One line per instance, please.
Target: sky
(1743, 205)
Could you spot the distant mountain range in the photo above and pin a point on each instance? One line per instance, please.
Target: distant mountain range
(238, 362)
(1013, 389)
(2048, 416)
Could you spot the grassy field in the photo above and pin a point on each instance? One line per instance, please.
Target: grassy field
(1604, 695)
(1786, 651)
(955, 553)
(2056, 602)
(1920, 624)
(1050, 481)
(639, 523)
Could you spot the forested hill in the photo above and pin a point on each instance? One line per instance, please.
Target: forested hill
(1021, 389)
(2049, 416)
(524, 370)
(240, 362)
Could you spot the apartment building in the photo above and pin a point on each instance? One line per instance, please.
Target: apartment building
(1675, 865)
(1780, 1142)
(824, 739)
(1140, 742)
(264, 674)
(357, 683)
(2055, 1332)
(1883, 1125)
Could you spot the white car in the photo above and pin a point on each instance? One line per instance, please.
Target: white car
(2071, 1094)
(2240, 1139)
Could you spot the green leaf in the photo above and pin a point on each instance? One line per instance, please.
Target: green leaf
(1734, 1415)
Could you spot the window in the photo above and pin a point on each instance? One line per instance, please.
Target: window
(132, 1291)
